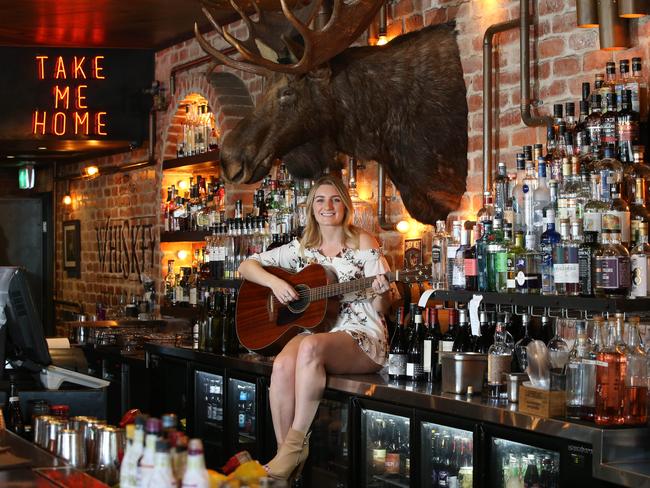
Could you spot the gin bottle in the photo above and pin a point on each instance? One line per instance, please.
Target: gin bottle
(581, 377)
(438, 253)
(550, 239)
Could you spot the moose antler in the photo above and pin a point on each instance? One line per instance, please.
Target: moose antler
(345, 24)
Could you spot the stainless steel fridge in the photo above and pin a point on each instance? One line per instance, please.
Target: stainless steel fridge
(244, 426)
(209, 401)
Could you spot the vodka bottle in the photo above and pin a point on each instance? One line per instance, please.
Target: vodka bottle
(453, 243)
(528, 190)
(550, 239)
(518, 194)
(458, 271)
(581, 377)
(542, 198)
(568, 192)
(438, 256)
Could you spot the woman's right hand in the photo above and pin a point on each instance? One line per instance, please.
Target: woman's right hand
(283, 291)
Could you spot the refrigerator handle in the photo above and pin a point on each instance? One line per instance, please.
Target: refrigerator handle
(482, 456)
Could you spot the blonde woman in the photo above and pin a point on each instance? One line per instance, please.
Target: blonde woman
(357, 344)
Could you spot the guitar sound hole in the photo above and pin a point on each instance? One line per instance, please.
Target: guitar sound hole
(300, 305)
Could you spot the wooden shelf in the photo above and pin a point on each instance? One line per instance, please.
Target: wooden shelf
(199, 162)
(191, 236)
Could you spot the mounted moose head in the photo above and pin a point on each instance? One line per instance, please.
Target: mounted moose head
(402, 105)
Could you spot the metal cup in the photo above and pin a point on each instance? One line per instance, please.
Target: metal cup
(54, 428)
(89, 434)
(79, 422)
(40, 430)
(110, 446)
(71, 448)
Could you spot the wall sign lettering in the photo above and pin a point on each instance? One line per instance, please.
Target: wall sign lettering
(126, 247)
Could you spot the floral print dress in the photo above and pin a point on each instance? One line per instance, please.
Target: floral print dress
(357, 316)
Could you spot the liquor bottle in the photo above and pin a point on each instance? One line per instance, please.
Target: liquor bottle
(497, 268)
(485, 339)
(636, 377)
(15, 421)
(515, 262)
(470, 264)
(550, 239)
(612, 262)
(129, 466)
(586, 263)
(581, 377)
(438, 253)
(528, 190)
(458, 268)
(430, 346)
(162, 475)
(446, 343)
(482, 255)
(195, 476)
(570, 117)
(499, 359)
(444, 449)
(453, 243)
(610, 380)
(518, 194)
(594, 123)
(639, 213)
(378, 446)
(393, 446)
(640, 263)
(415, 354)
(584, 189)
(501, 190)
(463, 340)
(521, 353)
(558, 351)
(609, 85)
(568, 191)
(546, 330)
(146, 462)
(541, 197)
(487, 211)
(627, 128)
(608, 131)
(398, 349)
(620, 209)
(639, 87)
(563, 150)
(599, 204)
(170, 282)
(581, 138)
(566, 264)
(531, 477)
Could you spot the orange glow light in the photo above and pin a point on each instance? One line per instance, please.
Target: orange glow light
(58, 123)
(97, 68)
(81, 97)
(40, 66)
(77, 67)
(61, 95)
(100, 124)
(81, 122)
(38, 125)
(60, 69)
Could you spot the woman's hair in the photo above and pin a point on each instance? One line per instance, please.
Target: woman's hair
(311, 237)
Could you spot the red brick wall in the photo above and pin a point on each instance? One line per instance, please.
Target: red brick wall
(562, 57)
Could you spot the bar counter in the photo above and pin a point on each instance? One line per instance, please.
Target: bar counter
(620, 455)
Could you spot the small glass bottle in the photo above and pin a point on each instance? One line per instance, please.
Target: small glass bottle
(581, 377)
(499, 362)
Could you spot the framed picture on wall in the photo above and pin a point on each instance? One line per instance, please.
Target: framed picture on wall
(412, 253)
(72, 248)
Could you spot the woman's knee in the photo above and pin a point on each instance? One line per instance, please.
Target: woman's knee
(284, 368)
(310, 351)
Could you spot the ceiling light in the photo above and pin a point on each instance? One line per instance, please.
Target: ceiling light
(11, 157)
(67, 199)
(403, 226)
(91, 171)
(42, 148)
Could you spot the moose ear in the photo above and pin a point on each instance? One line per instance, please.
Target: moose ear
(321, 73)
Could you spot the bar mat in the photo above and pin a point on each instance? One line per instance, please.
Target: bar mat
(9, 460)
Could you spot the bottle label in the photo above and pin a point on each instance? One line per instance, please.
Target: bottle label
(471, 267)
(413, 370)
(497, 365)
(392, 463)
(501, 262)
(624, 219)
(628, 131)
(612, 272)
(397, 364)
(531, 241)
(593, 221)
(444, 346)
(426, 360)
(584, 270)
(458, 276)
(640, 264)
(436, 254)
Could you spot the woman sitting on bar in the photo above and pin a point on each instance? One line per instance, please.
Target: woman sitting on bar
(357, 344)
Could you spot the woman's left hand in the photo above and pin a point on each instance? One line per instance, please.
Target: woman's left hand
(380, 285)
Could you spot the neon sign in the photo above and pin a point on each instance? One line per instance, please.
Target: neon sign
(69, 113)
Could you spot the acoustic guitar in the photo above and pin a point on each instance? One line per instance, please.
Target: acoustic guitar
(264, 325)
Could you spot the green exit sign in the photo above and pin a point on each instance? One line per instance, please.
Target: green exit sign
(26, 177)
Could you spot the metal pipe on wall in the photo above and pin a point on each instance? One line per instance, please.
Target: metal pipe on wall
(381, 199)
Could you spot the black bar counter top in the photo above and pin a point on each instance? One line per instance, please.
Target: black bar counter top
(611, 445)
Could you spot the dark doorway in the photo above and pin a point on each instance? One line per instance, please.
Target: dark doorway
(26, 239)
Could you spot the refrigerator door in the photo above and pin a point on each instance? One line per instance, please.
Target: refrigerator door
(209, 400)
(242, 397)
(328, 465)
(447, 456)
(517, 465)
(384, 450)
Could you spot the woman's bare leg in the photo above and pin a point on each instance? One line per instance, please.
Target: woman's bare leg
(281, 392)
(318, 354)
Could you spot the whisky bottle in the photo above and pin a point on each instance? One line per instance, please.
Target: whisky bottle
(594, 123)
(619, 208)
(639, 87)
(640, 263)
(586, 263)
(612, 262)
(627, 128)
(638, 211)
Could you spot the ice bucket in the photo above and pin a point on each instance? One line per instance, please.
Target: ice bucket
(461, 370)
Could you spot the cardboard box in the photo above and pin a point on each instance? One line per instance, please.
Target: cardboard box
(545, 403)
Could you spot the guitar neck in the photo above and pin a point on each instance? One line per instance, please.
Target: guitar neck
(336, 289)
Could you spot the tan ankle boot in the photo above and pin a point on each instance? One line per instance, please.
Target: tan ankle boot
(292, 454)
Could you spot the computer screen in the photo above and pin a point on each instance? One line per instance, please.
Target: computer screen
(22, 338)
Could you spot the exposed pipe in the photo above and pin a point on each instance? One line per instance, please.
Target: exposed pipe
(352, 172)
(488, 39)
(381, 201)
(524, 60)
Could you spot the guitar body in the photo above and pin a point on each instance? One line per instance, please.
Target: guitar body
(265, 326)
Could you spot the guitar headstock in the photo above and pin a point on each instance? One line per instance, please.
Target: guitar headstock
(415, 275)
